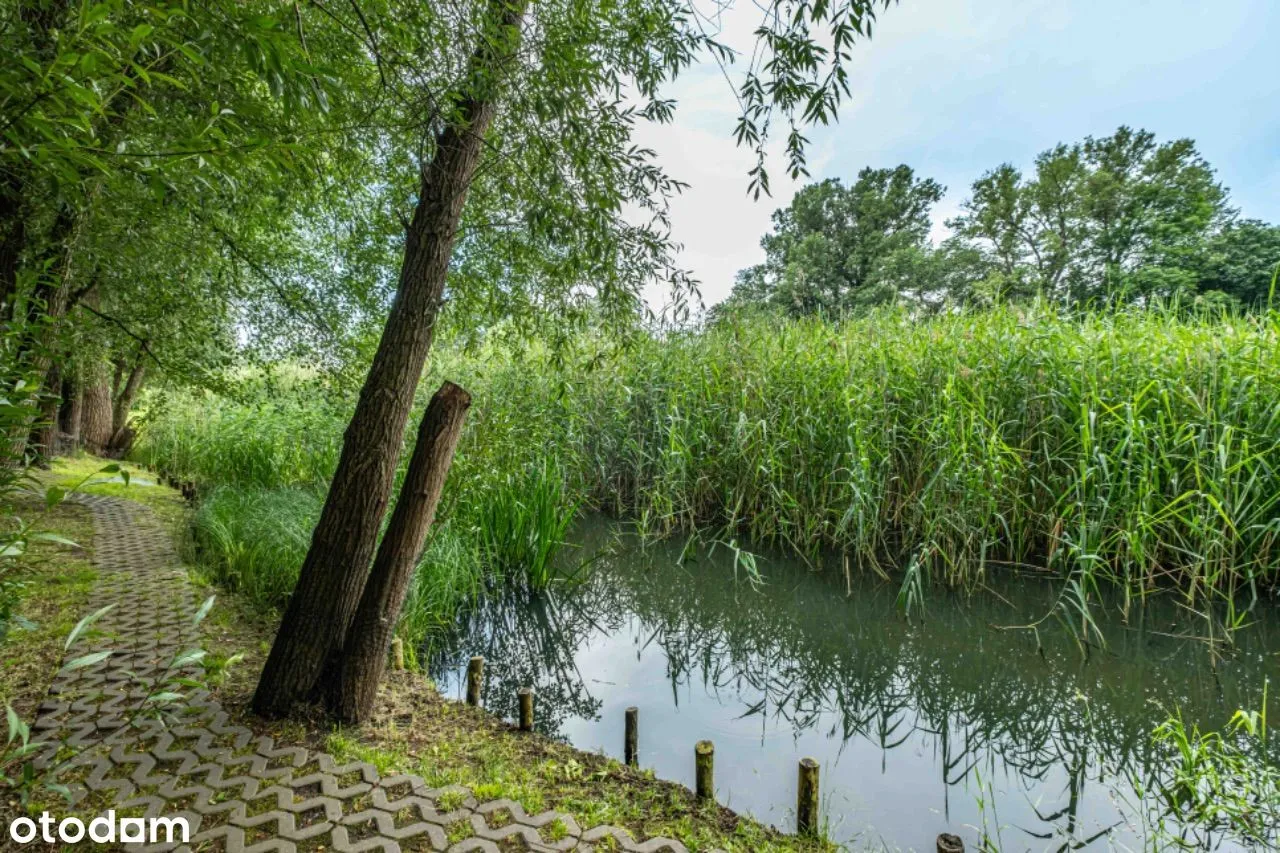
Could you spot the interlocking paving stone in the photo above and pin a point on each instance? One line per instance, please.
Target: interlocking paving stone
(240, 792)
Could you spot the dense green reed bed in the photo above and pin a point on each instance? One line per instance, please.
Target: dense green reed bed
(1138, 450)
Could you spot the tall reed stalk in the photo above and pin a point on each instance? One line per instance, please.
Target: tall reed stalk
(1136, 450)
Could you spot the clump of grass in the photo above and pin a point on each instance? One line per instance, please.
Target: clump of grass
(274, 436)
(253, 540)
(449, 575)
(523, 522)
(1139, 449)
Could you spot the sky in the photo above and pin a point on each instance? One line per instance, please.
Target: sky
(954, 88)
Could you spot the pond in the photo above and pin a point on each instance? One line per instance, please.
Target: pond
(953, 721)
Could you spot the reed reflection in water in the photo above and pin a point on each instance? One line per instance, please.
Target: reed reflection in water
(951, 722)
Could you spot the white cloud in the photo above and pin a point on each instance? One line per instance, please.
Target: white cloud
(955, 87)
(715, 219)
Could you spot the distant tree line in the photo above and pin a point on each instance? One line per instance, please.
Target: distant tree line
(1120, 219)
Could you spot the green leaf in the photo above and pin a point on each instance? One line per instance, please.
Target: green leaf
(26, 749)
(187, 658)
(139, 33)
(16, 726)
(60, 789)
(53, 537)
(85, 623)
(86, 660)
(54, 496)
(97, 13)
(204, 610)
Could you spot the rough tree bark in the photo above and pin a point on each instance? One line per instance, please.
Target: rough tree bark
(354, 686)
(336, 566)
(13, 236)
(95, 422)
(45, 309)
(73, 395)
(116, 378)
(120, 435)
(45, 435)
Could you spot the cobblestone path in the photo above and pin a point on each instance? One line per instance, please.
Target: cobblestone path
(237, 790)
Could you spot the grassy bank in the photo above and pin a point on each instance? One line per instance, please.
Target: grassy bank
(413, 729)
(1138, 449)
(48, 593)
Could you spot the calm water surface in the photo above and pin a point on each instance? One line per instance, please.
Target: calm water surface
(954, 722)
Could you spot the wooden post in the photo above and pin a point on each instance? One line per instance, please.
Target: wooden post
(948, 843)
(475, 677)
(397, 653)
(807, 798)
(704, 759)
(526, 709)
(631, 737)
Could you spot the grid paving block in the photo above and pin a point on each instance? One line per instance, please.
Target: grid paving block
(343, 843)
(475, 845)
(381, 797)
(330, 787)
(283, 825)
(527, 834)
(100, 735)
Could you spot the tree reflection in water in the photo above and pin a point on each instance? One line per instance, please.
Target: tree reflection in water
(800, 655)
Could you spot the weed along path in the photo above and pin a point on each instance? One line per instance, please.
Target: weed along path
(237, 788)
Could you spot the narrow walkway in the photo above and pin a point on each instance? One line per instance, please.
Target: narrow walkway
(239, 791)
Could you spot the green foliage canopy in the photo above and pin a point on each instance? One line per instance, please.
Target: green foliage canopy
(836, 249)
(1118, 219)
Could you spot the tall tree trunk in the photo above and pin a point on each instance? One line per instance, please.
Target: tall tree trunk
(45, 435)
(95, 423)
(336, 566)
(43, 21)
(124, 403)
(356, 676)
(45, 308)
(13, 237)
(117, 377)
(73, 393)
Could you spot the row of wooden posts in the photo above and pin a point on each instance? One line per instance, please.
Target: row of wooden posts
(187, 487)
(704, 752)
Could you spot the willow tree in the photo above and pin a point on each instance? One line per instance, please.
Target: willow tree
(104, 101)
(529, 110)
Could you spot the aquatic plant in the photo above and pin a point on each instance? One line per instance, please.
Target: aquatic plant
(1133, 449)
(523, 521)
(1216, 786)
